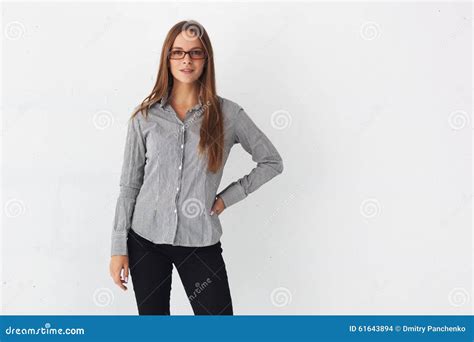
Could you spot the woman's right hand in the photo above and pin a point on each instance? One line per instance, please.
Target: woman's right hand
(117, 264)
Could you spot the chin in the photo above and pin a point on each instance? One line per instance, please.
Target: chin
(186, 79)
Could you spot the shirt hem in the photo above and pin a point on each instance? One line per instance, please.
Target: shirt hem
(212, 242)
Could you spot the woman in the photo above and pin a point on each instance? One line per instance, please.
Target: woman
(178, 141)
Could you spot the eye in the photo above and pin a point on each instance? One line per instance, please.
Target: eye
(197, 53)
(176, 53)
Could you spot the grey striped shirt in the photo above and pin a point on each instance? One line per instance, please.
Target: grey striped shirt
(166, 191)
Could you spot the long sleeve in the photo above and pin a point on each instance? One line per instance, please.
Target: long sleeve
(264, 153)
(131, 180)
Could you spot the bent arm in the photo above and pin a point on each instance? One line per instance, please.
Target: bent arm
(264, 153)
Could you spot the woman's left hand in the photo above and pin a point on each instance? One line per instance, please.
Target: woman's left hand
(218, 206)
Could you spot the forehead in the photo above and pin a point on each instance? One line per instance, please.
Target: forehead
(185, 43)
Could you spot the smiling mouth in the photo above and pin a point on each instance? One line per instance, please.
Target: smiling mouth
(187, 71)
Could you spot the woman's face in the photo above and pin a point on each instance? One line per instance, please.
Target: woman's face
(186, 69)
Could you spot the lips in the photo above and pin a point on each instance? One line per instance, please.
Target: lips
(187, 71)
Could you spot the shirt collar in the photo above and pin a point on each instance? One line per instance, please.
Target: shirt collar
(165, 98)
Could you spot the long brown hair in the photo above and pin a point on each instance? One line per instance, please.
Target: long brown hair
(212, 128)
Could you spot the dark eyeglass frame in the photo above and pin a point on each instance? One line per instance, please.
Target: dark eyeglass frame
(187, 52)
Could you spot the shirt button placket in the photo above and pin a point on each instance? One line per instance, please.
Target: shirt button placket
(181, 138)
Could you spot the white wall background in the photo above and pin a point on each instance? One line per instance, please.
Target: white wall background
(372, 212)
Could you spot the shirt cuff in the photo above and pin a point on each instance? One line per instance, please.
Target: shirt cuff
(119, 245)
(232, 194)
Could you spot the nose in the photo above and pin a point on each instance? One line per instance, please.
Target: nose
(187, 58)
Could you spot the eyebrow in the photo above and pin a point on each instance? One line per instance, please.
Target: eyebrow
(178, 47)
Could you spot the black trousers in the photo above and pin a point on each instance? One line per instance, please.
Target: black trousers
(201, 269)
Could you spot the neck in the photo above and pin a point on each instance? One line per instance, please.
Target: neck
(184, 94)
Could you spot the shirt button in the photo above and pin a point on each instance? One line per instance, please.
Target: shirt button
(175, 210)
(177, 189)
(182, 128)
(179, 167)
(182, 146)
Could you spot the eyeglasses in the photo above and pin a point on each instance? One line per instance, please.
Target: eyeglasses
(194, 54)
